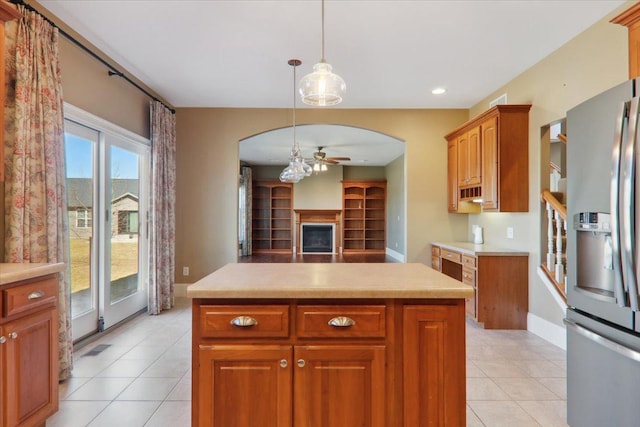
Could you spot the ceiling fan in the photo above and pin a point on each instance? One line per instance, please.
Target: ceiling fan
(320, 160)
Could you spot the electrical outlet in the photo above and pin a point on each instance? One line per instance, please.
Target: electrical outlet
(509, 232)
(185, 271)
(396, 245)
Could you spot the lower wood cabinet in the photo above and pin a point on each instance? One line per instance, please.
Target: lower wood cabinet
(28, 352)
(340, 363)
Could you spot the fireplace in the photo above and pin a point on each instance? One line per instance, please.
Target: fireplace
(330, 219)
(317, 238)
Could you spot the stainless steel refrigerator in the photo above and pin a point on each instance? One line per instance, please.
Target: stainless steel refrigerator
(603, 264)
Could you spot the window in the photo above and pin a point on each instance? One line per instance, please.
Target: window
(127, 222)
(83, 218)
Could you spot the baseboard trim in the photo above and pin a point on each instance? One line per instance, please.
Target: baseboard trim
(180, 289)
(556, 335)
(395, 255)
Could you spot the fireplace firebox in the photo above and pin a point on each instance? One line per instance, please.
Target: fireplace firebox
(317, 238)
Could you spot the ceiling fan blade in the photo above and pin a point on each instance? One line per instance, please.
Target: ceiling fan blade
(346, 159)
(331, 161)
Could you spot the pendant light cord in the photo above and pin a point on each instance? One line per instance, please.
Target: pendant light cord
(295, 141)
(322, 35)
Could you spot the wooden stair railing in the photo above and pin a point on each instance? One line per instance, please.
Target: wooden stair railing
(555, 265)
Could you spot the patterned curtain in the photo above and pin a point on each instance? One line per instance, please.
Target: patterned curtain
(35, 195)
(163, 219)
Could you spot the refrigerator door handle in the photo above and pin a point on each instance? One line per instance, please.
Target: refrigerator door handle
(627, 207)
(615, 204)
(605, 342)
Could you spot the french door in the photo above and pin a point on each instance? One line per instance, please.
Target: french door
(108, 193)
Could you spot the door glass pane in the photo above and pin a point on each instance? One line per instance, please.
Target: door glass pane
(80, 182)
(125, 190)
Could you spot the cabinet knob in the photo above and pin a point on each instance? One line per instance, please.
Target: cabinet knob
(3, 339)
(244, 321)
(284, 363)
(301, 363)
(342, 322)
(13, 335)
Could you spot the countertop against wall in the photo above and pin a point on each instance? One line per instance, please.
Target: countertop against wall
(479, 250)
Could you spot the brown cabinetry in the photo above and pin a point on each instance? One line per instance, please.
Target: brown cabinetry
(433, 391)
(500, 283)
(364, 214)
(336, 363)
(492, 161)
(452, 176)
(29, 351)
(272, 211)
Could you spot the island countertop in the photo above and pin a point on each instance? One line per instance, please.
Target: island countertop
(328, 280)
(14, 272)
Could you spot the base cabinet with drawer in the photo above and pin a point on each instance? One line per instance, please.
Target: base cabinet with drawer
(332, 363)
(499, 279)
(28, 351)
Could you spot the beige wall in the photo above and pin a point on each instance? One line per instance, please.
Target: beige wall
(207, 169)
(396, 224)
(587, 65)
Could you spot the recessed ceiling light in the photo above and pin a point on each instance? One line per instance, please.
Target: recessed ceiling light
(438, 91)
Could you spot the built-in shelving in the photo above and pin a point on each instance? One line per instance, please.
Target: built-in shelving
(272, 217)
(364, 216)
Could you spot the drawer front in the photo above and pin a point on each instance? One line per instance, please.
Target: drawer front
(23, 298)
(337, 321)
(469, 261)
(435, 263)
(244, 321)
(470, 305)
(435, 251)
(451, 255)
(469, 277)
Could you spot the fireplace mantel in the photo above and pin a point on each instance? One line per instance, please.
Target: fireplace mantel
(320, 216)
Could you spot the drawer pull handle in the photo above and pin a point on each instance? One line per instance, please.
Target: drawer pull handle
(36, 295)
(244, 321)
(342, 322)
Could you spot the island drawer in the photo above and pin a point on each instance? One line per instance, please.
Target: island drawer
(336, 321)
(469, 261)
(23, 298)
(469, 277)
(451, 255)
(244, 321)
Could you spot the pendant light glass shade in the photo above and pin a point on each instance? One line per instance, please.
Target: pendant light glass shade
(297, 168)
(322, 87)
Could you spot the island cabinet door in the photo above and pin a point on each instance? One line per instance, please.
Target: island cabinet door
(245, 386)
(434, 365)
(339, 386)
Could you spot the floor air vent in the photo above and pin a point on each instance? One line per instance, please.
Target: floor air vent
(97, 350)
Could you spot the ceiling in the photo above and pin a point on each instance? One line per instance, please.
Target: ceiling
(390, 53)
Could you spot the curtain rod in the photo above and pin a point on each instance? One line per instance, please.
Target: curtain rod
(112, 70)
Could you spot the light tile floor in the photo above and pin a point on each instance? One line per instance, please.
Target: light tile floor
(514, 378)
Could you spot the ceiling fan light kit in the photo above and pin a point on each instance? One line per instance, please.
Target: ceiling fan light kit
(297, 168)
(322, 87)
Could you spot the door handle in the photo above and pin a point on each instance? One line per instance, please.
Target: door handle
(605, 342)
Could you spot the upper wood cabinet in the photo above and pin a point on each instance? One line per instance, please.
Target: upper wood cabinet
(8, 12)
(630, 18)
(494, 148)
(469, 159)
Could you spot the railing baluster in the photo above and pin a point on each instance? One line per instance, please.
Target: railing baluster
(559, 270)
(550, 237)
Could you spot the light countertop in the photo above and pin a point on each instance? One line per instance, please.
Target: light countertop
(328, 280)
(479, 250)
(14, 272)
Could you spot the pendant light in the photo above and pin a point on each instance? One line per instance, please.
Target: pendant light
(297, 168)
(322, 88)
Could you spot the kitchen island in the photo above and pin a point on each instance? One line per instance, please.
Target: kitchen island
(336, 345)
